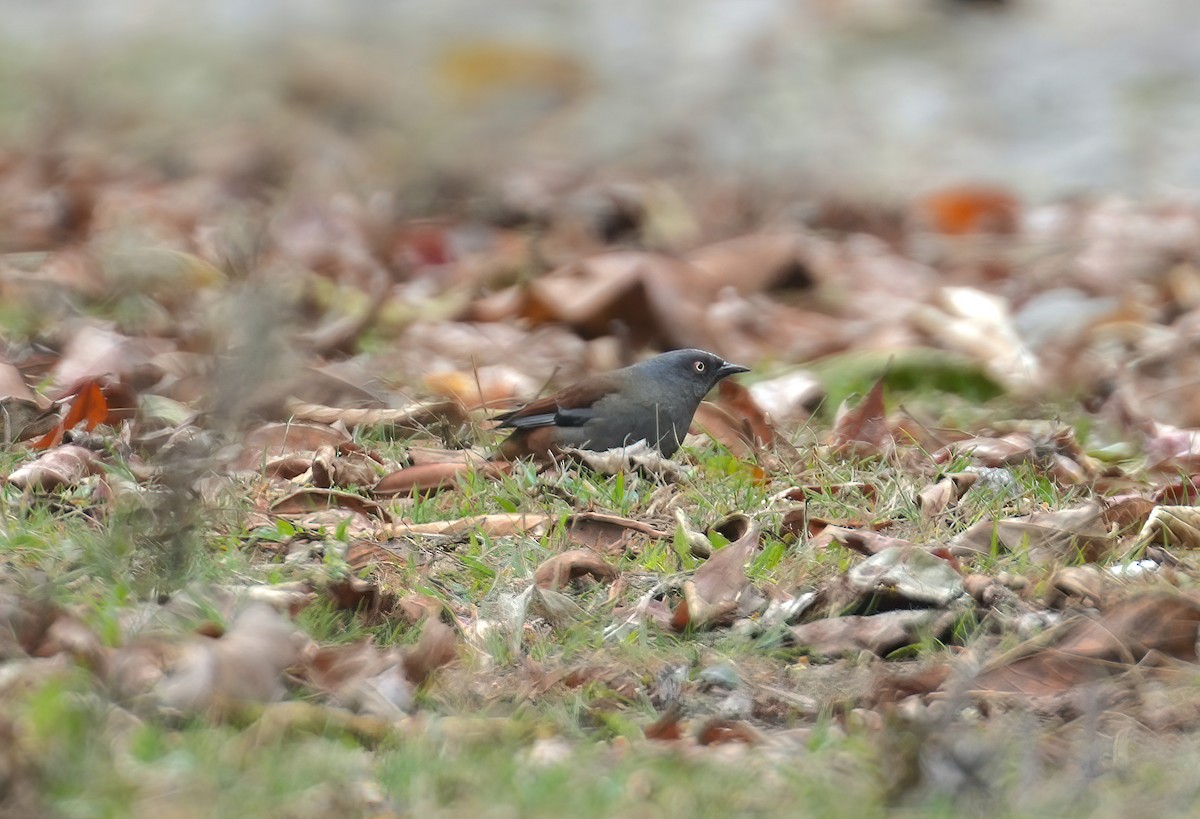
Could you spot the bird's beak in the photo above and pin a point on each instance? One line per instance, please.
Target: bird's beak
(728, 369)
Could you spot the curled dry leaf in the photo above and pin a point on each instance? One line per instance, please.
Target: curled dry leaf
(935, 500)
(288, 468)
(880, 634)
(499, 525)
(485, 387)
(418, 417)
(735, 421)
(862, 430)
(717, 587)
(436, 647)
(306, 501)
(95, 351)
(1171, 526)
(790, 398)
(638, 457)
(755, 263)
(865, 541)
(12, 383)
(1088, 584)
(271, 442)
(433, 477)
(642, 292)
(980, 325)
(561, 569)
(1091, 530)
(611, 534)
(909, 574)
(362, 678)
(87, 404)
(666, 728)
(245, 665)
(344, 466)
(718, 731)
(1128, 633)
(21, 420)
(63, 466)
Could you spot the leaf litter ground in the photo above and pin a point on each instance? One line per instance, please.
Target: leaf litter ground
(258, 559)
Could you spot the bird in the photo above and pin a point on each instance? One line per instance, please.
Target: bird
(652, 401)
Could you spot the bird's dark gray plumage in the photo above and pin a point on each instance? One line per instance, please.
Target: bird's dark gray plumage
(652, 401)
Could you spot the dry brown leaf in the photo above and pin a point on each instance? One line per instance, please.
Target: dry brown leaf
(646, 293)
(969, 209)
(13, 385)
(862, 430)
(878, 633)
(715, 590)
(637, 457)
(288, 468)
(1088, 584)
(1089, 530)
(432, 477)
(610, 534)
(271, 442)
(789, 399)
(865, 541)
(245, 665)
(361, 677)
(1170, 526)
(755, 263)
(344, 466)
(718, 731)
(1130, 632)
(909, 574)
(305, 501)
(504, 524)
(560, 570)
(735, 421)
(63, 466)
(94, 351)
(934, 500)
(436, 647)
(666, 728)
(419, 417)
(21, 420)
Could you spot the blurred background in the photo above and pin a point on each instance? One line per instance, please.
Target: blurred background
(866, 98)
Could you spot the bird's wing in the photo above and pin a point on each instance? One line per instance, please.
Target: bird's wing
(571, 407)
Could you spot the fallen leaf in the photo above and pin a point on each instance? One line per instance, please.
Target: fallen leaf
(244, 665)
(718, 731)
(755, 263)
(934, 500)
(1087, 531)
(433, 477)
(505, 524)
(436, 647)
(1170, 526)
(560, 570)
(610, 534)
(1128, 633)
(714, 591)
(862, 430)
(909, 574)
(270, 442)
(63, 466)
(880, 634)
(304, 501)
(969, 209)
(865, 541)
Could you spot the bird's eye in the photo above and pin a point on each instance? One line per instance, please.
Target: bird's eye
(699, 365)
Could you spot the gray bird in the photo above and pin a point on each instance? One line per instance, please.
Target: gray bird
(652, 401)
